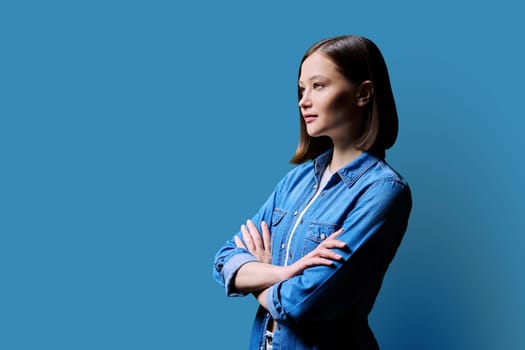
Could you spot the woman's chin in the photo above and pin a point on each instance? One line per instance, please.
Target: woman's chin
(315, 133)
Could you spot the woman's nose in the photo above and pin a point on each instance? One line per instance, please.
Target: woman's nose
(304, 101)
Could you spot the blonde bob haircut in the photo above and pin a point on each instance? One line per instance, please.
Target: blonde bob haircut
(358, 59)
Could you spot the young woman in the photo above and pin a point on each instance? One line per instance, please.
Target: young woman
(316, 252)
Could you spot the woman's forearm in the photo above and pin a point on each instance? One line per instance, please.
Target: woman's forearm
(261, 298)
(256, 276)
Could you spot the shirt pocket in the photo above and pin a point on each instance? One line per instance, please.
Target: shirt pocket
(277, 216)
(316, 233)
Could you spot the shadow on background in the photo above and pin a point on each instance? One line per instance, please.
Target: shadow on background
(450, 284)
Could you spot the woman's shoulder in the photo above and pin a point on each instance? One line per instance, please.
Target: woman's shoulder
(379, 172)
(384, 171)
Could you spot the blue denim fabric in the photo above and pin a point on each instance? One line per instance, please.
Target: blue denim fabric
(327, 307)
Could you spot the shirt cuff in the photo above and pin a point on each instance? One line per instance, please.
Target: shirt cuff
(271, 302)
(231, 268)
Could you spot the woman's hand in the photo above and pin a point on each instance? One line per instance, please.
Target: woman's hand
(321, 255)
(255, 277)
(259, 247)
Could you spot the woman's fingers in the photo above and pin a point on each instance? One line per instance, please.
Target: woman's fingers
(336, 233)
(333, 243)
(259, 246)
(256, 237)
(238, 242)
(316, 261)
(267, 241)
(323, 254)
(326, 253)
(266, 235)
(247, 237)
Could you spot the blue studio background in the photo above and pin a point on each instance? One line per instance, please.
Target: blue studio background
(135, 138)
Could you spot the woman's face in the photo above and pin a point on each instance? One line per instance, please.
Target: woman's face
(328, 101)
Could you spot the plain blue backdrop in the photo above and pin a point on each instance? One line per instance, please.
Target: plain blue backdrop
(135, 138)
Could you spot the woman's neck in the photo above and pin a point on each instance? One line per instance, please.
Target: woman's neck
(343, 156)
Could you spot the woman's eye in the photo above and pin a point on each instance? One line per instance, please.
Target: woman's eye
(318, 86)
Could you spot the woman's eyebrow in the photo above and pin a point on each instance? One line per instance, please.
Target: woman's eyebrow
(315, 77)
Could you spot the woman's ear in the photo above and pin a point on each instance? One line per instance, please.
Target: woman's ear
(365, 92)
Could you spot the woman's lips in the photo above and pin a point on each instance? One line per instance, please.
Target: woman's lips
(308, 118)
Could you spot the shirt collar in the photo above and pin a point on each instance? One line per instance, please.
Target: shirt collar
(351, 172)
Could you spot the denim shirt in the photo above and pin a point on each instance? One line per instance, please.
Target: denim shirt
(326, 307)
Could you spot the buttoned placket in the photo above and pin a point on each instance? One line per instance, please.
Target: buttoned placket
(299, 215)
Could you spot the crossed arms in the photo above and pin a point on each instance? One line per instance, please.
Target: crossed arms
(256, 276)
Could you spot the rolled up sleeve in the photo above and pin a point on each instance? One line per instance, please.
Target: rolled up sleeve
(229, 270)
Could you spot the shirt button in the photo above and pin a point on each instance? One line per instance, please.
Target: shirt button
(283, 246)
(295, 213)
(315, 187)
(301, 221)
(323, 236)
(290, 255)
